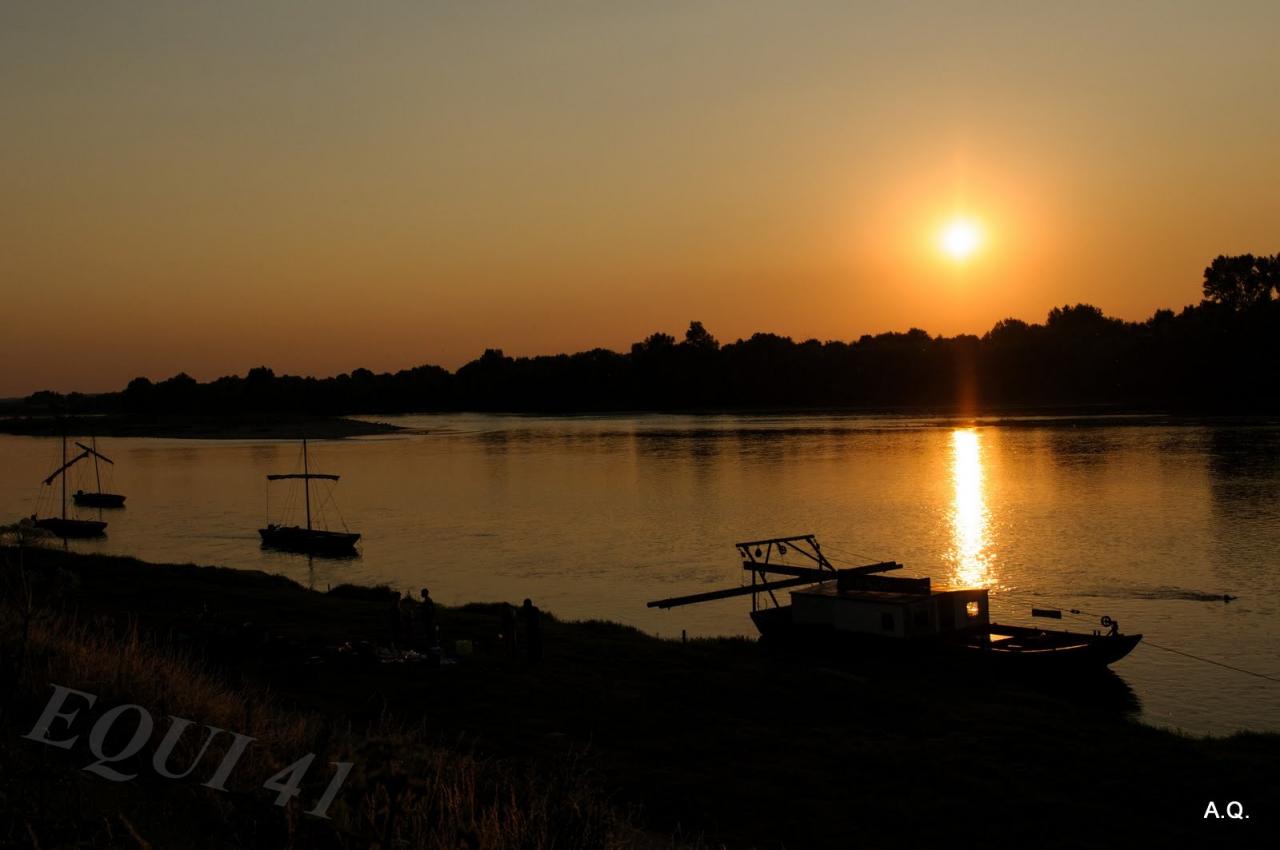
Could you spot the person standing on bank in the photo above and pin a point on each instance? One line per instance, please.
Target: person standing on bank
(532, 630)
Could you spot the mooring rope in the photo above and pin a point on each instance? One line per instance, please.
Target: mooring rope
(1152, 643)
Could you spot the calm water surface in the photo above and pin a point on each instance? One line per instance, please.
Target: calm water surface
(592, 517)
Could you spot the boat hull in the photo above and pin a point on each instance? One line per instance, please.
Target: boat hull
(98, 500)
(1001, 649)
(292, 538)
(72, 528)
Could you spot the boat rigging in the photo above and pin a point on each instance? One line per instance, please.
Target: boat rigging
(307, 540)
(64, 526)
(98, 498)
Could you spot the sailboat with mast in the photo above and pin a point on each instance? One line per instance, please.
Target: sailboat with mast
(307, 540)
(64, 526)
(98, 498)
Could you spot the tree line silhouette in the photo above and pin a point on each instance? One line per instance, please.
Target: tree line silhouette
(1219, 356)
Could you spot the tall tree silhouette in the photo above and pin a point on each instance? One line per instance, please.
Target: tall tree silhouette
(1242, 281)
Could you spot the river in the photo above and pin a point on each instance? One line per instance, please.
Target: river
(1147, 521)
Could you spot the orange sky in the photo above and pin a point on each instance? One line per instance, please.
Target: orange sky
(323, 186)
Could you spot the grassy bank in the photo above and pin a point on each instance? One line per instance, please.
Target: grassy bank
(616, 737)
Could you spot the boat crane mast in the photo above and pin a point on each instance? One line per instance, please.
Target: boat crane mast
(62, 471)
(757, 555)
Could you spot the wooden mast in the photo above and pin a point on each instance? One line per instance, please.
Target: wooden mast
(309, 539)
(97, 455)
(756, 560)
(64, 473)
(306, 481)
(306, 475)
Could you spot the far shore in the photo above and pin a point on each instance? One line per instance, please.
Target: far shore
(258, 426)
(198, 427)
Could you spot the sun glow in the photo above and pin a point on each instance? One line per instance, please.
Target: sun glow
(961, 238)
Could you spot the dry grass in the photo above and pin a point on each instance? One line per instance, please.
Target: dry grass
(405, 791)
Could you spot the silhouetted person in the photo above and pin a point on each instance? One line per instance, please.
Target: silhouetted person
(508, 629)
(532, 629)
(427, 619)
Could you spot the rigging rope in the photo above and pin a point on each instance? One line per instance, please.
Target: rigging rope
(848, 552)
(1150, 643)
(1073, 613)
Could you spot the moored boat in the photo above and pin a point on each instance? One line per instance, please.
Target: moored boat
(68, 528)
(64, 526)
(98, 498)
(317, 541)
(308, 540)
(860, 614)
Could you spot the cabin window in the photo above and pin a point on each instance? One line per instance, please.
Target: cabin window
(971, 608)
(886, 622)
(921, 620)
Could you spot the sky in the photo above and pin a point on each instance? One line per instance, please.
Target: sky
(321, 186)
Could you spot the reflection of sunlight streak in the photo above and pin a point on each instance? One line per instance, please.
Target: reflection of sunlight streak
(969, 517)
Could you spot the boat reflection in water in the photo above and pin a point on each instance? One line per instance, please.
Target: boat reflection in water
(970, 554)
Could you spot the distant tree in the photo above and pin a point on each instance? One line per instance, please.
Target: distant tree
(653, 343)
(1078, 318)
(46, 399)
(179, 394)
(1241, 281)
(698, 337)
(139, 396)
(1007, 330)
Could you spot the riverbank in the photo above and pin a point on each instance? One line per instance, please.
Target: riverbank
(197, 428)
(716, 740)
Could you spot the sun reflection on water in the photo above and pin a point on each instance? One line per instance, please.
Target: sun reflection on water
(970, 556)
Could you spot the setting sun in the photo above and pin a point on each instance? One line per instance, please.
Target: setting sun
(960, 238)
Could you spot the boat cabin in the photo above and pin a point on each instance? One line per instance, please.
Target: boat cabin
(858, 599)
(899, 613)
